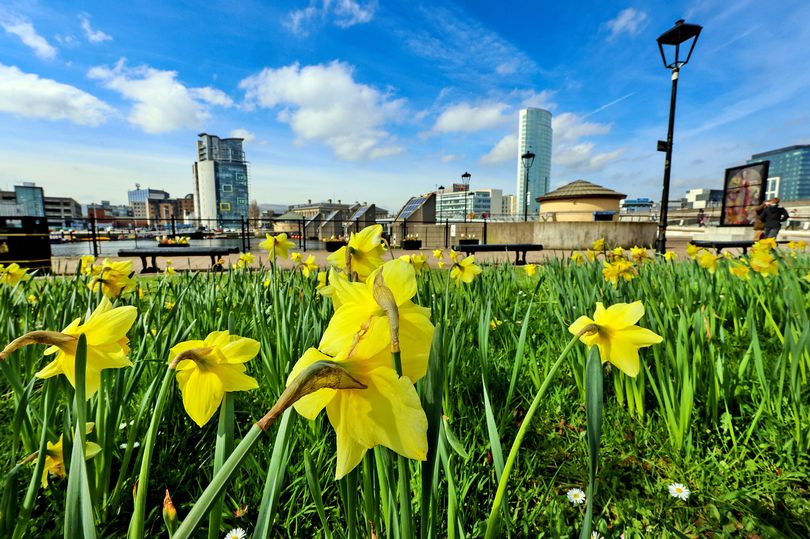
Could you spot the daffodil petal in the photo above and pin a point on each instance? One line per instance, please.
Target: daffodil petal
(50, 370)
(624, 355)
(347, 320)
(349, 455)
(233, 378)
(241, 350)
(639, 336)
(415, 340)
(399, 276)
(202, 394)
(311, 405)
(579, 324)
(620, 315)
(109, 326)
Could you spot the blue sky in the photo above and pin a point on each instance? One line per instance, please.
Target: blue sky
(377, 100)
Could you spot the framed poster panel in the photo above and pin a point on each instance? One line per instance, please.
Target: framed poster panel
(743, 191)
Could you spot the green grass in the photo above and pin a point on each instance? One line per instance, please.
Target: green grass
(722, 406)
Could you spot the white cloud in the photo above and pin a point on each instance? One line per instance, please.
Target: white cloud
(343, 13)
(505, 149)
(162, 103)
(629, 21)
(29, 36)
(93, 36)
(323, 103)
(449, 158)
(569, 127)
(581, 157)
(465, 118)
(530, 98)
(26, 94)
(243, 134)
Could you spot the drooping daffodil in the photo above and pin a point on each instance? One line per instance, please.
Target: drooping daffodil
(708, 261)
(387, 412)
(308, 266)
(530, 269)
(438, 254)
(598, 245)
(277, 245)
(764, 263)
(357, 311)
(107, 345)
(113, 278)
(621, 268)
(55, 460)
(364, 252)
(617, 335)
(207, 369)
(13, 274)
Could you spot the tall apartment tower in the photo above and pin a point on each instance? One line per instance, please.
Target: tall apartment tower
(220, 181)
(535, 136)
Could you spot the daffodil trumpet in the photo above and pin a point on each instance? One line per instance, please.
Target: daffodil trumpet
(317, 376)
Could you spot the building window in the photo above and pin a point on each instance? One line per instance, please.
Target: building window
(224, 206)
(241, 201)
(227, 188)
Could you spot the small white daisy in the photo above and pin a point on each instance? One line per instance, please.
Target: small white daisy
(236, 533)
(677, 490)
(576, 496)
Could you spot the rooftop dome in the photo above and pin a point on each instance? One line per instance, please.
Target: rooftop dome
(581, 189)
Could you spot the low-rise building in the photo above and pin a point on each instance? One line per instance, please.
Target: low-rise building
(62, 212)
(580, 200)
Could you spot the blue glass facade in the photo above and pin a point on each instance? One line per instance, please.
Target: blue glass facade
(232, 190)
(792, 166)
(31, 198)
(535, 135)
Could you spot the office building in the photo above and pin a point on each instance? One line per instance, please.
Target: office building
(453, 204)
(220, 177)
(703, 198)
(31, 198)
(144, 204)
(534, 135)
(788, 172)
(62, 211)
(508, 205)
(637, 205)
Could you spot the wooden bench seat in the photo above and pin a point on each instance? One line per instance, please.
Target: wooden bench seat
(178, 252)
(520, 249)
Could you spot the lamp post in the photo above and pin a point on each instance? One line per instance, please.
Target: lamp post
(528, 160)
(440, 190)
(673, 38)
(465, 179)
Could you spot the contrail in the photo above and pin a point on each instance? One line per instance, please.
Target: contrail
(603, 107)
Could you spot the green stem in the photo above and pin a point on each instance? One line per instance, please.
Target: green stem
(224, 446)
(217, 484)
(136, 525)
(494, 515)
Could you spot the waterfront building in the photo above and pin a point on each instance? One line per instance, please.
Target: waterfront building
(220, 176)
(788, 172)
(534, 134)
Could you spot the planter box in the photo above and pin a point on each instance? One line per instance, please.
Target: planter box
(470, 241)
(411, 245)
(332, 246)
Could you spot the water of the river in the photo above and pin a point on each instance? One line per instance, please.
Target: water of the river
(111, 248)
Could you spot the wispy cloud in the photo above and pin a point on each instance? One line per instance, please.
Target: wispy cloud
(93, 36)
(341, 13)
(28, 35)
(610, 104)
(629, 21)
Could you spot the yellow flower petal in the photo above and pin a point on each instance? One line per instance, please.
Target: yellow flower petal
(311, 405)
(620, 315)
(202, 394)
(241, 350)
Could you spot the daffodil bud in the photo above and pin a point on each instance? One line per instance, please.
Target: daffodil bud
(169, 514)
(388, 303)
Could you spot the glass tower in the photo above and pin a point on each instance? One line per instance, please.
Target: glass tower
(790, 169)
(220, 181)
(31, 198)
(535, 136)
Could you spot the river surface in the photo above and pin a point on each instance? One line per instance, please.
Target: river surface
(111, 248)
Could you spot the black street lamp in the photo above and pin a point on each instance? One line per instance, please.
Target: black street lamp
(440, 190)
(528, 160)
(676, 36)
(465, 179)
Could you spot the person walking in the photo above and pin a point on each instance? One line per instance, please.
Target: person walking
(772, 217)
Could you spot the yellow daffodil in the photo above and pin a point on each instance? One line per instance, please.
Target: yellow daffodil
(387, 412)
(365, 250)
(321, 280)
(692, 250)
(670, 256)
(297, 258)
(55, 461)
(308, 266)
(438, 254)
(32, 299)
(764, 263)
(639, 254)
(169, 268)
(107, 345)
(169, 305)
(13, 274)
(577, 258)
(277, 245)
(591, 255)
(465, 270)
(440, 264)
(113, 278)
(708, 261)
(598, 245)
(246, 260)
(86, 264)
(617, 253)
(620, 268)
(617, 336)
(419, 263)
(740, 271)
(266, 282)
(216, 367)
(356, 310)
(530, 269)
(454, 255)
(328, 289)
(495, 323)
(141, 293)
(764, 245)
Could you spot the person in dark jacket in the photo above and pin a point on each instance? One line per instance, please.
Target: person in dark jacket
(772, 216)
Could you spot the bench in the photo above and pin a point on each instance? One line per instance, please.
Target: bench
(181, 252)
(520, 249)
(719, 245)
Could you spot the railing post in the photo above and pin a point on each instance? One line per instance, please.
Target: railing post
(302, 235)
(446, 233)
(174, 227)
(244, 234)
(484, 239)
(93, 236)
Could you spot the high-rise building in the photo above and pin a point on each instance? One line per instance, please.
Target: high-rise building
(220, 181)
(144, 203)
(31, 198)
(534, 135)
(788, 172)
